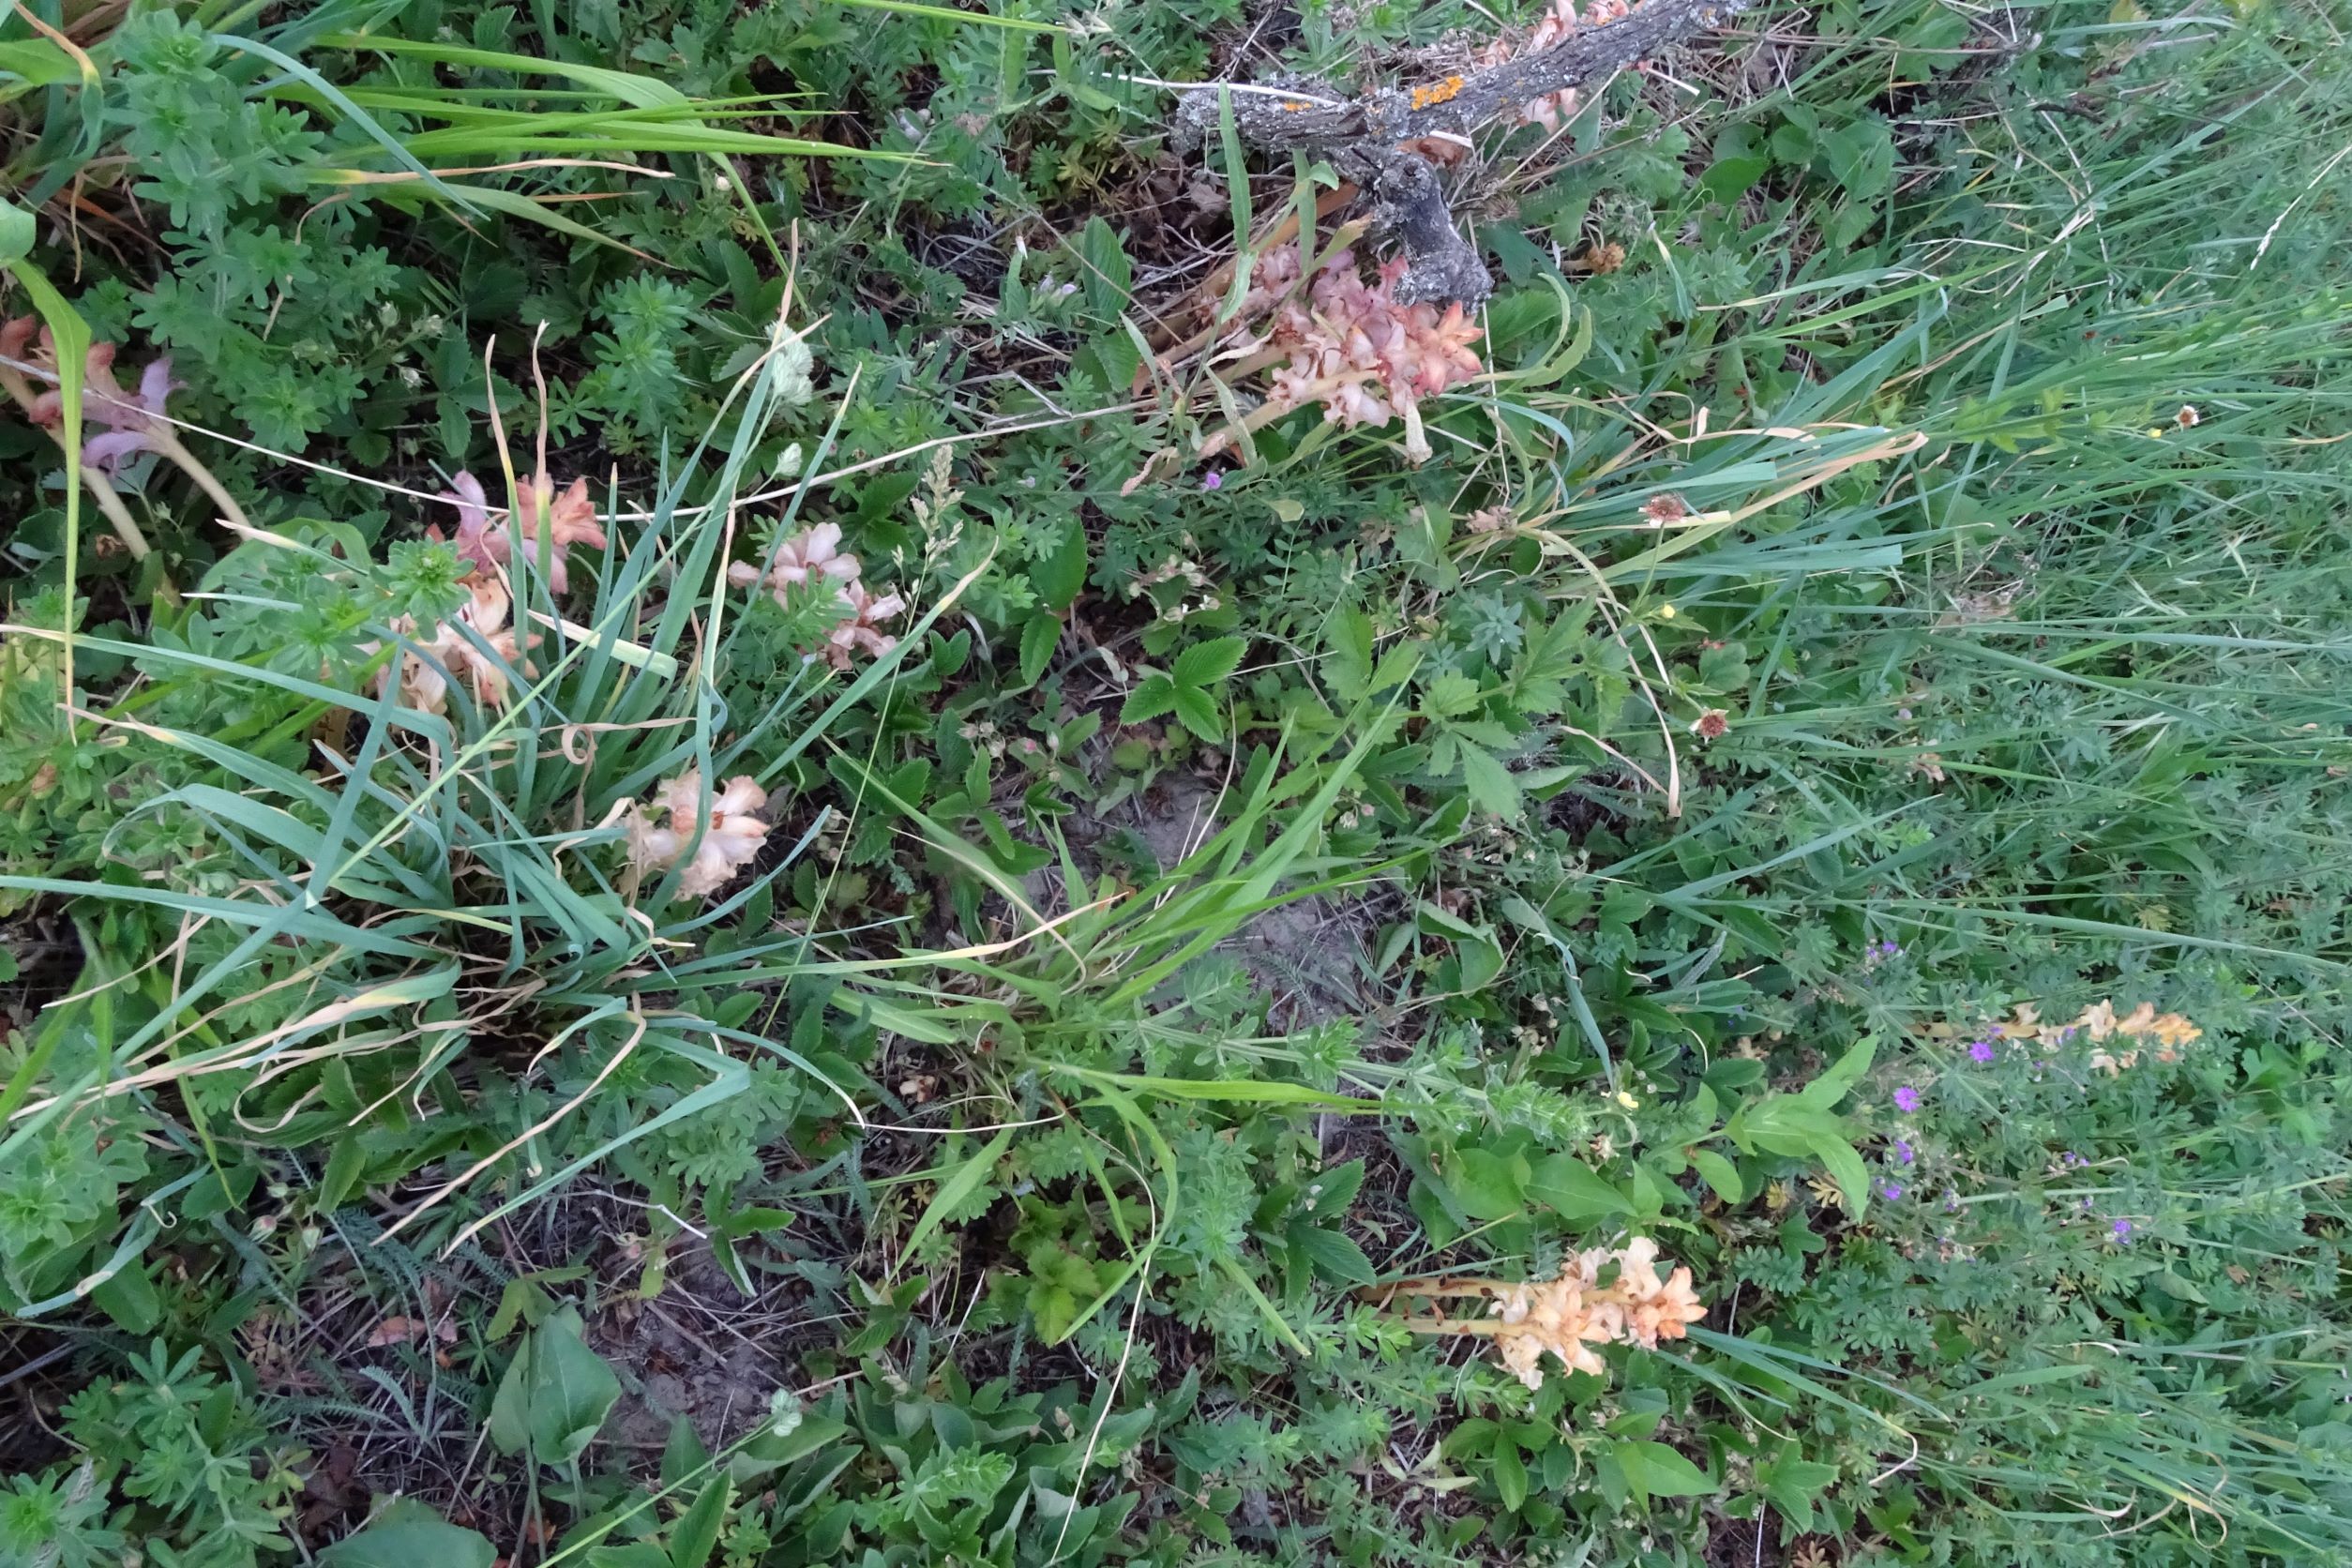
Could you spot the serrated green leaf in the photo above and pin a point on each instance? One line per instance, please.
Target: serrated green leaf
(1038, 636)
(1155, 696)
(1331, 1193)
(1204, 664)
(1061, 573)
(1793, 1484)
(1489, 782)
(1199, 714)
(959, 1187)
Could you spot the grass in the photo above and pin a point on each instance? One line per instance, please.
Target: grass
(397, 1168)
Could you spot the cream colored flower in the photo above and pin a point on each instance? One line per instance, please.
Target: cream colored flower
(816, 556)
(1568, 1316)
(2098, 1021)
(802, 558)
(730, 834)
(423, 685)
(859, 627)
(1350, 345)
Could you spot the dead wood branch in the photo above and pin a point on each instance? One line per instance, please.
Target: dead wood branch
(1369, 139)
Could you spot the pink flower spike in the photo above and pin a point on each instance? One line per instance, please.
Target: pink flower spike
(477, 541)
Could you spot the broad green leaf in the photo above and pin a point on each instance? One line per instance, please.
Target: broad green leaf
(408, 1534)
(1847, 1071)
(1718, 1173)
(1654, 1471)
(1348, 662)
(1487, 1186)
(696, 1534)
(1481, 962)
(1847, 1168)
(1059, 575)
(1571, 1189)
(35, 63)
(17, 231)
(1335, 1256)
(555, 1395)
(682, 1457)
(636, 1554)
(1510, 1471)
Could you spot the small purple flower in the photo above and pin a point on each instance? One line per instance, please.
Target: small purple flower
(1213, 480)
(2121, 1230)
(2070, 1159)
(1979, 1050)
(1904, 1154)
(1907, 1100)
(130, 419)
(1890, 1191)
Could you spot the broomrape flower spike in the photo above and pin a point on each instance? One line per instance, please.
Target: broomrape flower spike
(1568, 1316)
(2116, 1040)
(816, 557)
(571, 520)
(1352, 347)
(660, 830)
(424, 680)
(128, 421)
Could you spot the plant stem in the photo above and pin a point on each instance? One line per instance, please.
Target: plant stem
(168, 443)
(111, 503)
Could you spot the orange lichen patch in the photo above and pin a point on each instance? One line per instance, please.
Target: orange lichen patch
(1443, 92)
(1294, 106)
